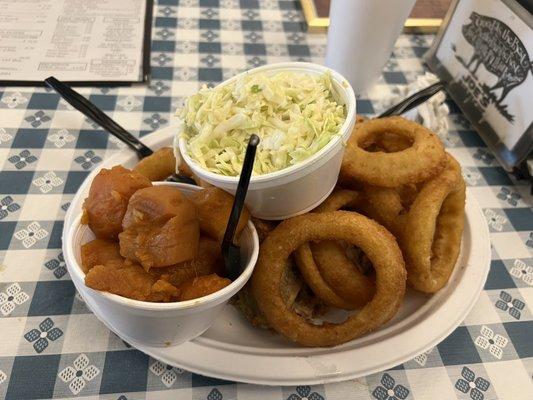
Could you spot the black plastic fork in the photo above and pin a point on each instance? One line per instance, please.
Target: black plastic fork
(414, 100)
(92, 112)
(230, 251)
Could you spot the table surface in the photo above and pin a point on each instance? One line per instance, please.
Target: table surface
(50, 343)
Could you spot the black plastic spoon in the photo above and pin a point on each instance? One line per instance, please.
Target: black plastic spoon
(230, 251)
(414, 100)
(92, 112)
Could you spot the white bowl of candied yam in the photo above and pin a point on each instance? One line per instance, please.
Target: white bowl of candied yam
(148, 253)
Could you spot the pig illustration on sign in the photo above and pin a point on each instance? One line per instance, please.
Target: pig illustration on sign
(500, 51)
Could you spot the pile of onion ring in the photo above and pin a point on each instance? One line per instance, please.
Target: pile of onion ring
(395, 220)
(419, 196)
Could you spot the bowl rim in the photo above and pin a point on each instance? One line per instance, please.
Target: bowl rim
(211, 300)
(344, 131)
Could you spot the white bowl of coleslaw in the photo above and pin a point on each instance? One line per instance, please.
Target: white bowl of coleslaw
(307, 173)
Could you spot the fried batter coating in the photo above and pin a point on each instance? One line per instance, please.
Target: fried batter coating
(359, 119)
(263, 227)
(160, 228)
(312, 276)
(130, 280)
(436, 220)
(291, 287)
(328, 271)
(108, 198)
(98, 251)
(202, 286)
(422, 160)
(389, 206)
(214, 207)
(342, 274)
(374, 240)
(340, 198)
(387, 142)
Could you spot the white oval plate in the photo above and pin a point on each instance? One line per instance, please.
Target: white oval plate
(233, 349)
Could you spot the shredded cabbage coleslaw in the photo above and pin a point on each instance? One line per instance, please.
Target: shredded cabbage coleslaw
(294, 114)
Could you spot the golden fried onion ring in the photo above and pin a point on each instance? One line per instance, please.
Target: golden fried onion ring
(311, 272)
(419, 162)
(330, 274)
(359, 119)
(374, 240)
(342, 274)
(339, 198)
(389, 142)
(389, 206)
(308, 268)
(436, 220)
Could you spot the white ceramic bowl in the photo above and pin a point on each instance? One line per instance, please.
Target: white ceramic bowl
(301, 187)
(159, 324)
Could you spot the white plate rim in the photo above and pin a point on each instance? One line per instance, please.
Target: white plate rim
(324, 366)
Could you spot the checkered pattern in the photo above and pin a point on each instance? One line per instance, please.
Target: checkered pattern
(52, 346)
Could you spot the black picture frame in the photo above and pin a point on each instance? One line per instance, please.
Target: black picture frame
(510, 158)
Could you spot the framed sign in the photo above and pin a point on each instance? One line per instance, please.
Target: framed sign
(484, 53)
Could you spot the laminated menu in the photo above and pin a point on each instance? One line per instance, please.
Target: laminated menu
(79, 41)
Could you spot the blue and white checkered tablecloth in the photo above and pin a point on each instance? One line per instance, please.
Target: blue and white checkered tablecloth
(52, 346)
